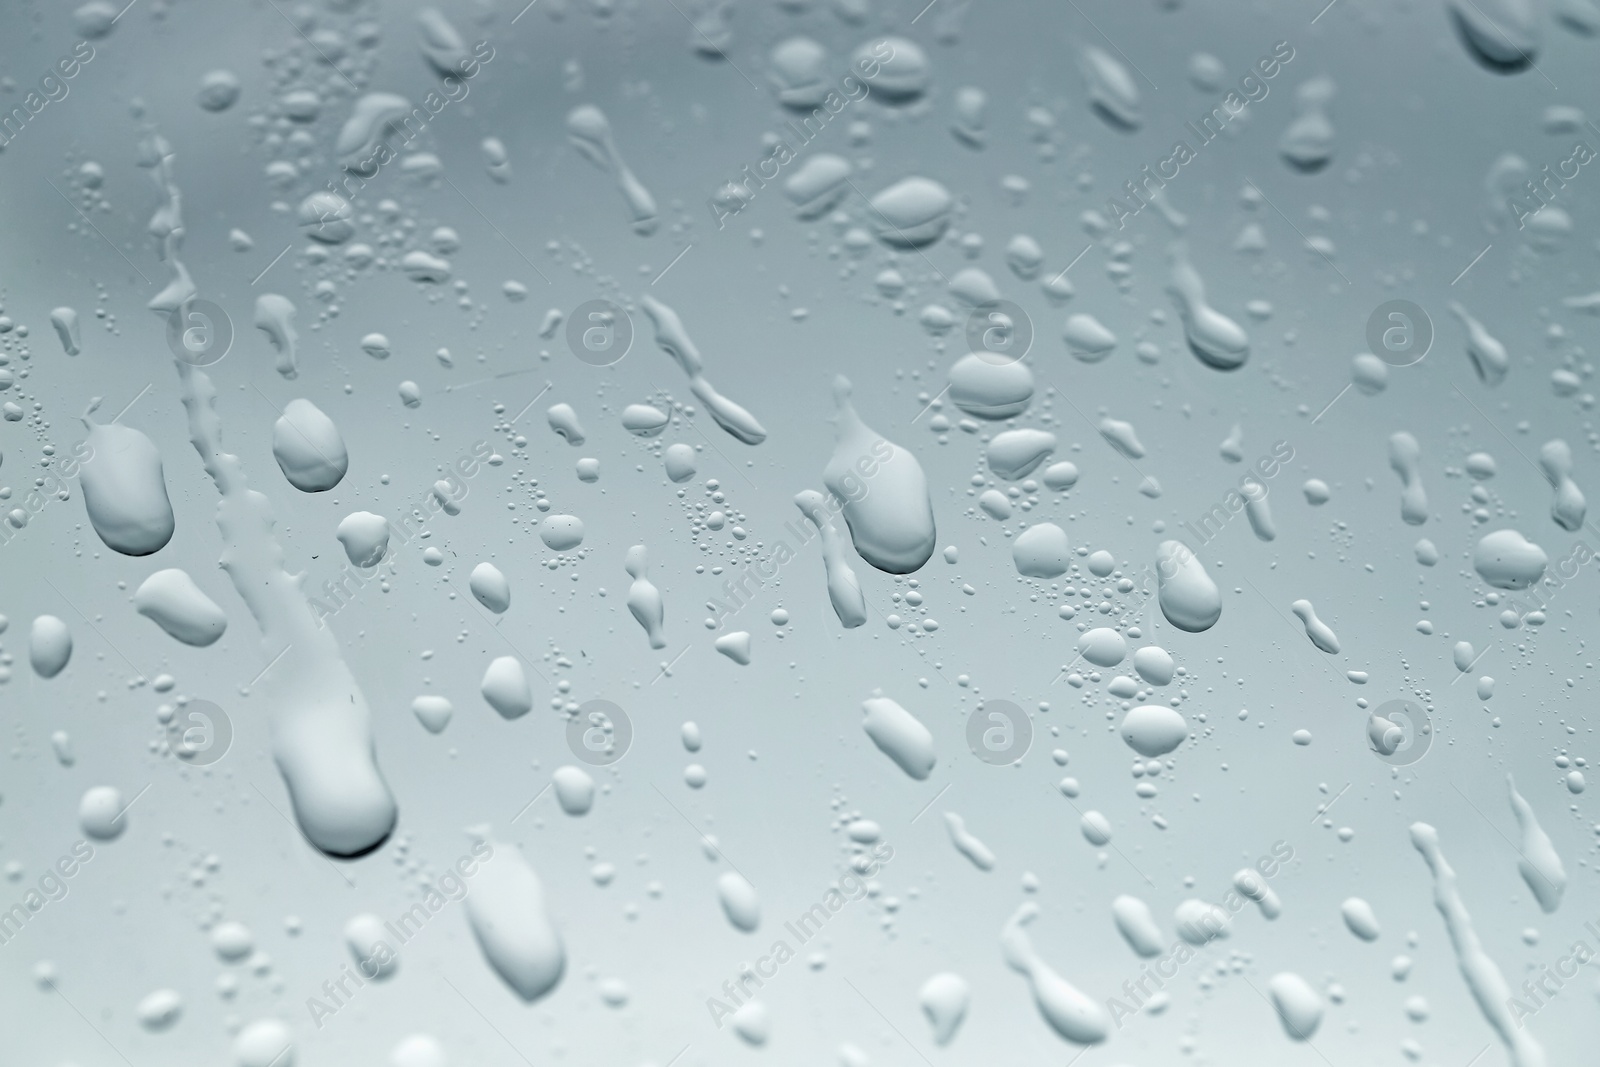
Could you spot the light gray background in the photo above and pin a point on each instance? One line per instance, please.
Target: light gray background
(1418, 126)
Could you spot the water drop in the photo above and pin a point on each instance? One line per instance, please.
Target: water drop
(172, 600)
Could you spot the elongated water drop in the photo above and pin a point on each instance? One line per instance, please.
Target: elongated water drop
(564, 421)
(844, 588)
(1113, 94)
(944, 999)
(1360, 919)
(1188, 597)
(1405, 459)
(511, 921)
(590, 132)
(171, 600)
(1320, 633)
(1253, 887)
(374, 955)
(644, 599)
(1540, 865)
(275, 318)
(1014, 454)
(1216, 340)
(441, 45)
(1259, 512)
(900, 736)
(1137, 926)
(1121, 436)
(740, 903)
(373, 117)
(124, 488)
(65, 321)
(49, 646)
(1502, 36)
(967, 843)
(1071, 1014)
(885, 492)
(1484, 980)
(1232, 446)
(1299, 1007)
(1489, 357)
(1569, 506)
(674, 340)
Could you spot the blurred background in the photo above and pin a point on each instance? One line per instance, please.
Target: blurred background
(1408, 208)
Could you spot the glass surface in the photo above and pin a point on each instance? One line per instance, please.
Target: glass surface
(809, 531)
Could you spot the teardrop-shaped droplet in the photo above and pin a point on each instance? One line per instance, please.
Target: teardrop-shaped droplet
(125, 489)
(885, 492)
(309, 448)
(510, 920)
